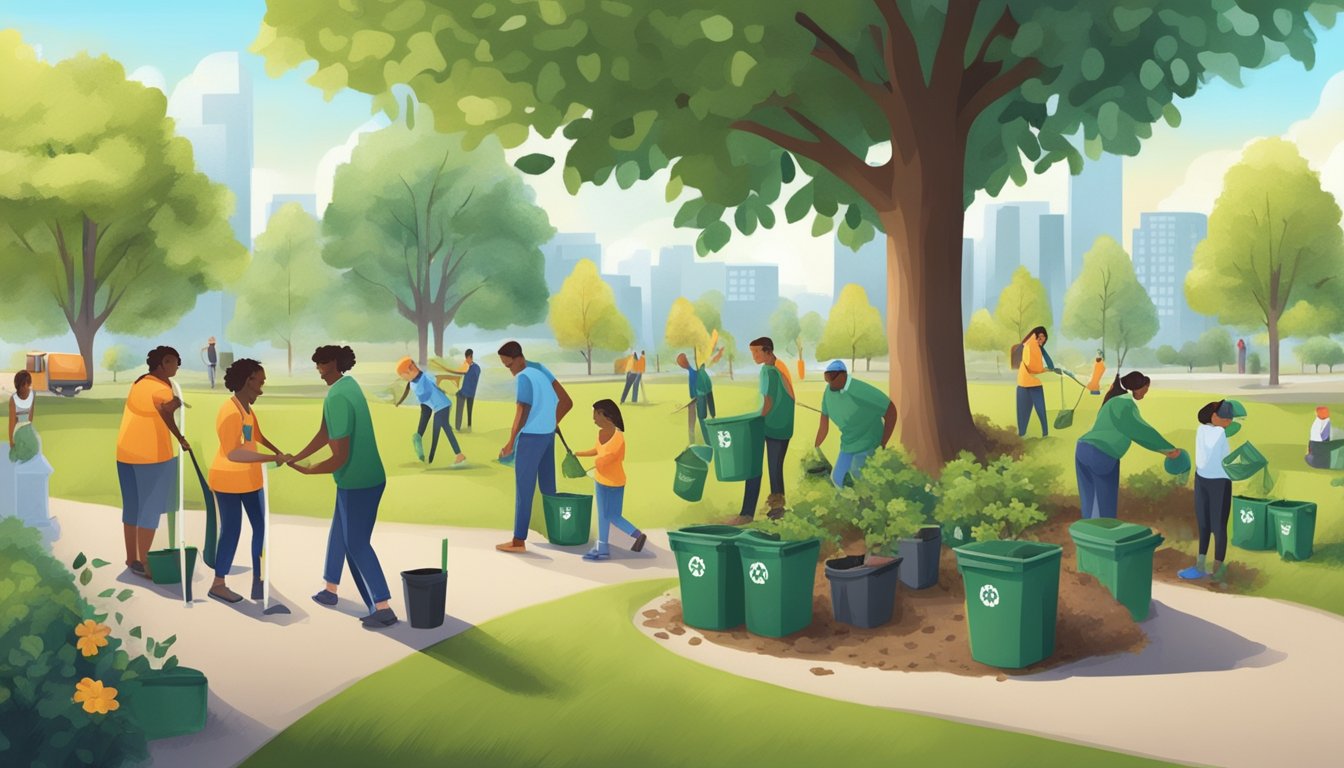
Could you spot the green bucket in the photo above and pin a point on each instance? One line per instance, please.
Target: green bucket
(166, 702)
(739, 446)
(165, 565)
(569, 518)
(692, 470)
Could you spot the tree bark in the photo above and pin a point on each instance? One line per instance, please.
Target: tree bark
(439, 328)
(1273, 328)
(589, 358)
(289, 356)
(422, 333)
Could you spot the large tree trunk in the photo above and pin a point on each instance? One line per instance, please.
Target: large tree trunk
(422, 333)
(438, 327)
(589, 359)
(1273, 328)
(84, 331)
(289, 356)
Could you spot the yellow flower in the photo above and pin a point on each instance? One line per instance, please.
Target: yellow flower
(96, 699)
(92, 636)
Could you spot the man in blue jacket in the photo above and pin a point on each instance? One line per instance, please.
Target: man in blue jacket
(542, 404)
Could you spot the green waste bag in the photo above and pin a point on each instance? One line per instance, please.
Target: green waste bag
(569, 518)
(692, 470)
(571, 468)
(739, 446)
(815, 464)
(1244, 462)
(1012, 600)
(1250, 523)
(1120, 555)
(167, 702)
(1294, 528)
(777, 580)
(26, 444)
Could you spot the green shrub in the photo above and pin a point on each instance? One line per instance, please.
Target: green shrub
(997, 500)
(1153, 484)
(40, 724)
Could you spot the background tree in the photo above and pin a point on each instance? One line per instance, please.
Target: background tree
(584, 315)
(968, 94)
(1216, 348)
(288, 287)
(984, 334)
(118, 358)
(104, 219)
(1318, 351)
(786, 328)
(1188, 355)
(854, 329)
(1274, 240)
(435, 233)
(1304, 320)
(685, 331)
(1023, 305)
(709, 308)
(1108, 303)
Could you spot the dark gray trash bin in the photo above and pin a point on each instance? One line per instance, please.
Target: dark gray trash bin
(921, 555)
(861, 595)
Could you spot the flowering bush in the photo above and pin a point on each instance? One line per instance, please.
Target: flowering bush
(996, 500)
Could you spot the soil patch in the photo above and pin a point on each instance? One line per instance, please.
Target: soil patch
(1174, 517)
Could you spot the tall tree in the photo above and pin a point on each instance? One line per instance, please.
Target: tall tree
(287, 287)
(1189, 355)
(1023, 304)
(118, 358)
(1215, 348)
(985, 334)
(737, 98)
(438, 232)
(685, 331)
(1274, 239)
(1318, 351)
(108, 221)
(854, 329)
(584, 315)
(1106, 302)
(785, 327)
(811, 326)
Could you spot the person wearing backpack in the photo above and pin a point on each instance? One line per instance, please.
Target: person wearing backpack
(1030, 392)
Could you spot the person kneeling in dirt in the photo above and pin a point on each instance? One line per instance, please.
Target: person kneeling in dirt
(866, 418)
(1320, 448)
(1213, 488)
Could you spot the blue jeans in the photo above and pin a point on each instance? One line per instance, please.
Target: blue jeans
(231, 506)
(349, 541)
(610, 504)
(533, 467)
(1027, 399)
(1098, 480)
(440, 418)
(631, 381)
(849, 464)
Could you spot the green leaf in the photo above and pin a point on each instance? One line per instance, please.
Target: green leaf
(853, 217)
(1172, 115)
(717, 28)
(674, 187)
(742, 64)
(799, 204)
(1150, 74)
(627, 174)
(821, 225)
(32, 645)
(572, 180)
(169, 642)
(80, 560)
(410, 112)
(124, 595)
(590, 66)
(746, 222)
(1093, 64)
(171, 663)
(119, 618)
(512, 23)
(107, 592)
(135, 632)
(534, 164)
(787, 170)
(100, 617)
(100, 563)
(160, 651)
(85, 576)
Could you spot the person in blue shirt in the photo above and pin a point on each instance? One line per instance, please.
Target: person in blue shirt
(466, 393)
(701, 391)
(542, 405)
(434, 404)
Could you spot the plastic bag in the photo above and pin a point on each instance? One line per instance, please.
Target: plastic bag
(815, 463)
(26, 444)
(571, 468)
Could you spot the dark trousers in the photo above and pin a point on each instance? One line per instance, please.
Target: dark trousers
(465, 403)
(533, 469)
(774, 462)
(1098, 481)
(631, 382)
(440, 425)
(1029, 398)
(231, 506)
(350, 542)
(1213, 507)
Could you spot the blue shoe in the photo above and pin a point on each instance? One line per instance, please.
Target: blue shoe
(1192, 573)
(594, 555)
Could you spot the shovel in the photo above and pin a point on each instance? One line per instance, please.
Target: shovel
(266, 608)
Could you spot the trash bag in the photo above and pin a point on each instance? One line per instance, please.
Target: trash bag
(1064, 419)
(26, 444)
(571, 468)
(815, 463)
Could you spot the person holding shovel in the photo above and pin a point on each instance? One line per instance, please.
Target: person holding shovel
(777, 407)
(1030, 391)
(1213, 488)
(866, 418)
(235, 474)
(434, 405)
(609, 475)
(147, 470)
(542, 405)
(356, 467)
(1118, 425)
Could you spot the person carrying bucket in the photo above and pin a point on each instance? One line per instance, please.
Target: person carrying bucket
(866, 418)
(1213, 488)
(609, 476)
(1118, 425)
(777, 407)
(434, 405)
(542, 404)
(1030, 391)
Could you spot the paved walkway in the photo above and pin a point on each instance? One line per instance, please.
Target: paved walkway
(1225, 680)
(314, 652)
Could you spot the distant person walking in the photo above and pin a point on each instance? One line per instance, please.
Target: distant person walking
(210, 356)
(631, 377)
(1030, 391)
(777, 407)
(1213, 490)
(541, 405)
(434, 406)
(641, 366)
(147, 469)
(466, 392)
(609, 475)
(347, 428)
(865, 416)
(1241, 356)
(1118, 425)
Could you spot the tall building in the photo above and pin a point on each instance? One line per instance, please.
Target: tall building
(630, 302)
(564, 251)
(967, 280)
(1096, 208)
(638, 266)
(751, 294)
(1012, 240)
(307, 201)
(682, 274)
(1164, 250)
(1052, 272)
(866, 267)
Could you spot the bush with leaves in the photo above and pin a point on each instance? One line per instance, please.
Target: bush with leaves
(813, 515)
(997, 500)
(1153, 484)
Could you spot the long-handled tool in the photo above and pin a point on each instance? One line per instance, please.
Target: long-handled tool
(1064, 419)
(181, 542)
(211, 515)
(570, 466)
(266, 607)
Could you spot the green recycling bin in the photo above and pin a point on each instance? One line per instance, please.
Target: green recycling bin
(167, 702)
(1012, 600)
(692, 470)
(1294, 524)
(739, 446)
(569, 518)
(1250, 523)
(777, 578)
(1120, 555)
(708, 567)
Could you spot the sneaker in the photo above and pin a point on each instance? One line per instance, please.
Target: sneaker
(775, 514)
(514, 546)
(1192, 573)
(639, 542)
(224, 594)
(325, 597)
(379, 619)
(594, 555)
(461, 459)
(1219, 575)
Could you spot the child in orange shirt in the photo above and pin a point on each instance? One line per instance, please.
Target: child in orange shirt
(609, 473)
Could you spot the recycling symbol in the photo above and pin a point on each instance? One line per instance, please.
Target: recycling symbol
(696, 566)
(956, 533)
(566, 513)
(725, 438)
(989, 595)
(1286, 529)
(1247, 516)
(758, 573)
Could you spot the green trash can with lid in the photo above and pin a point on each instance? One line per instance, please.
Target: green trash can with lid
(738, 443)
(692, 470)
(1294, 524)
(1012, 600)
(569, 518)
(778, 578)
(1250, 523)
(1120, 555)
(710, 572)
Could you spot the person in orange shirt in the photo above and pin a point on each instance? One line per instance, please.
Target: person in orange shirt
(235, 475)
(641, 366)
(609, 474)
(147, 470)
(1030, 392)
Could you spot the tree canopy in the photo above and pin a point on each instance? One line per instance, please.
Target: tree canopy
(1106, 302)
(1023, 305)
(685, 331)
(854, 329)
(584, 315)
(1318, 351)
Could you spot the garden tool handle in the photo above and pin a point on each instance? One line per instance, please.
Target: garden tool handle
(561, 435)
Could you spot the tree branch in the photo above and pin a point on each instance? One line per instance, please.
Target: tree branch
(949, 60)
(971, 107)
(904, 69)
(828, 152)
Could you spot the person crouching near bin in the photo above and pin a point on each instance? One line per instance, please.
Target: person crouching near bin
(609, 474)
(866, 418)
(1213, 488)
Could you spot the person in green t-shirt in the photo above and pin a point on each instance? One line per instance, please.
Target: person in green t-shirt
(777, 406)
(866, 418)
(1118, 425)
(357, 469)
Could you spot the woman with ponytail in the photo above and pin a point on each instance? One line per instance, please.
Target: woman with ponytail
(1118, 425)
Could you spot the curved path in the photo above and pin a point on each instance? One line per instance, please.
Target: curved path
(314, 653)
(1225, 680)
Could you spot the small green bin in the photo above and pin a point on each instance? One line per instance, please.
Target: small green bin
(1250, 523)
(166, 703)
(739, 446)
(692, 470)
(1120, 555)
(1012, 600)
(1294, 524)
(569, 518)
(778, 578)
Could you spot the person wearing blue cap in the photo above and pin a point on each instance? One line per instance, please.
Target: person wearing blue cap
(1213, 488)
(866, 418)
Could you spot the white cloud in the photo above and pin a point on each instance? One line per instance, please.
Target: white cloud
(340, 155)
(1051, 187)
(150, 76)
(1203, 181)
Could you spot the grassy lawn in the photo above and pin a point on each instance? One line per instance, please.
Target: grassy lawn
(574, 683)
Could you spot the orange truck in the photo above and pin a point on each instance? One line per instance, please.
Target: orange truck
(58, 372)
